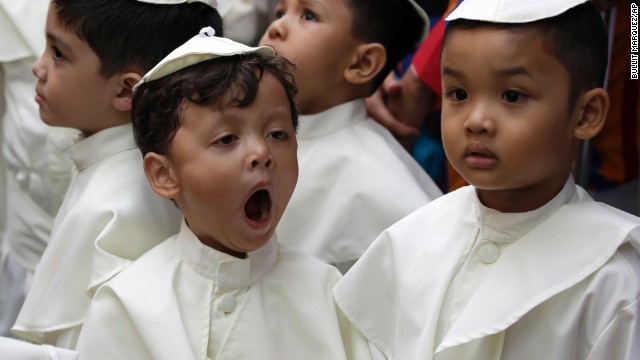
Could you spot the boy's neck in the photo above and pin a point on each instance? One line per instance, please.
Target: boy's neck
(520, 200)
(331, 101)
(108, 122)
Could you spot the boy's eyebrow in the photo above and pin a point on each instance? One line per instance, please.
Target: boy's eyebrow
(450, 72)
(310, 2)
(60, 43)
(518, 70)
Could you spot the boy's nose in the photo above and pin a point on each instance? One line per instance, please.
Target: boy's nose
(39, 70)
(262, 161)
(480, 121)
(277, 29)
(258, 162)
(260, 157)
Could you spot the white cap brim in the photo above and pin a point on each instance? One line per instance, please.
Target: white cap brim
(424, 16)
(511, 11)
(212, 3)
(198, 49)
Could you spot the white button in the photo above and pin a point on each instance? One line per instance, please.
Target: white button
(489, 253)
(228, 303)
(21, 176)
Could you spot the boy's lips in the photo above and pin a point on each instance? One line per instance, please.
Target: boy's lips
(479, 156)
(39, 97)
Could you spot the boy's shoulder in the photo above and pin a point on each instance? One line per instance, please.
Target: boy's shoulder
(305, 267)
(344, 139)
(147, 271)
(442, 210)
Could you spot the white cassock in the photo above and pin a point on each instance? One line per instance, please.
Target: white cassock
(246, 20)
(184, 300)
(355, 181)
(35, 169)
(456, 280)
(109, 217)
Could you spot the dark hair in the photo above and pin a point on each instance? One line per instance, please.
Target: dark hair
(577, 38)
(132, 33)
(393, 23)
(156, 105)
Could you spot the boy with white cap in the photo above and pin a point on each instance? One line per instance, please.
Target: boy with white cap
(96, 51)
(355, 178)
(522, 264)
(216, 123)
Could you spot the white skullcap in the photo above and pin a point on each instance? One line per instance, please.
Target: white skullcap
(423, 15)
(511, 11)
(212, 3)
(202, 47)
(223, 6)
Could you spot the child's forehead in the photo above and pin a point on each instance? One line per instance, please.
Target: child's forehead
(64, 37)
(509, 35)
(61, 33)
(500, 51)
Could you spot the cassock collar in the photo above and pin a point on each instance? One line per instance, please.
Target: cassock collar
(331, 120)
(496, 226)
(229, 272)
(102, 145)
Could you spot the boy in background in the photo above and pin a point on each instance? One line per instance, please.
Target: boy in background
(97, 50)
(38, 169)
(216, 123)
(355, 178)
(522, 264)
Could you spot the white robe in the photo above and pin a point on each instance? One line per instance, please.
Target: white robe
(565, 288)
(109, 217)
(246, 20)
(184, 300)
(355, 181)
(36, 169)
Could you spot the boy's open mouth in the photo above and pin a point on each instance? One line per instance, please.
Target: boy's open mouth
(258, 206)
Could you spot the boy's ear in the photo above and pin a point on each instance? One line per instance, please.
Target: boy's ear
(593, 107)
(367, 61)
(124, 92)
(161, 175)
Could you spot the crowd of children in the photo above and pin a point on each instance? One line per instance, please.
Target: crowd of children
(235, 200)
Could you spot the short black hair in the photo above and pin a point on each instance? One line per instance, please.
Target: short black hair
(132, 33)
(156, 105)
(393, 23)
(577, 38)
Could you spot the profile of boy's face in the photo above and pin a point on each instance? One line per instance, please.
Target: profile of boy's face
(70, 91)
(507, 125)
(235, 168)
